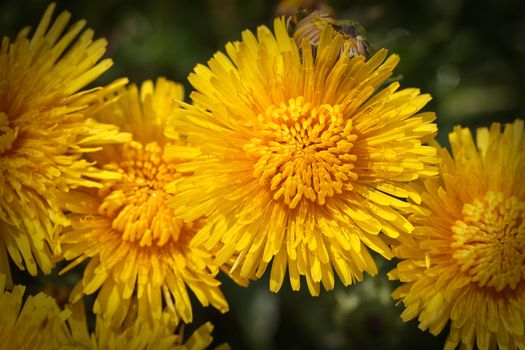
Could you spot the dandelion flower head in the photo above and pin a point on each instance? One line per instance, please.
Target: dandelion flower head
(134, 334)
(303, 158)
(137, 249)
(466, 261)
(34, 323)
(45, 127)
(37, 322)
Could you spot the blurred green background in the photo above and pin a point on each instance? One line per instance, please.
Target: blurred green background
(469, 55)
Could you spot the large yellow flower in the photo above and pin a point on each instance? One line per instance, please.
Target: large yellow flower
(137, 248)
(38, 323)
(44, 129)
(303, 159)
(466, 261)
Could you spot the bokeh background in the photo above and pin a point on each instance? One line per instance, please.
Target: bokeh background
(469, 55)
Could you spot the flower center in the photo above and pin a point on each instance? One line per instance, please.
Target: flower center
(302, 151)
(7, 134)
(137, 204)
(489, 242)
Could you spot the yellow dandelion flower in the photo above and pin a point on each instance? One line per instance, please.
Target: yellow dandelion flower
(466, 261)
(44, 130)
(133, 335)
(36, 323)
(303, 159)
(137, 248)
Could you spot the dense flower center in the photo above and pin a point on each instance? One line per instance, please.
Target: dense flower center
(303, 151)
(7, 134)
(137, 204)
(489, 242)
